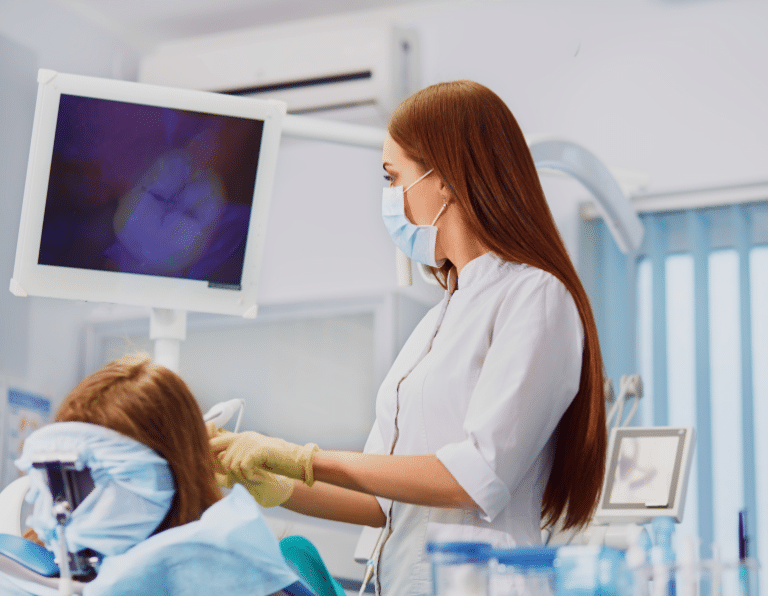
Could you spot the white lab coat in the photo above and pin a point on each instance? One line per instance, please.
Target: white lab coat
(482, 382)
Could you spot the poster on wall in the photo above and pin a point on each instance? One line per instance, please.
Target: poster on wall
(24, 411)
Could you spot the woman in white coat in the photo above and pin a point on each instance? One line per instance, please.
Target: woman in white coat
(491, 422)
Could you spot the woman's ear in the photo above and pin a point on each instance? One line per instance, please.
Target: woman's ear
(445, 192)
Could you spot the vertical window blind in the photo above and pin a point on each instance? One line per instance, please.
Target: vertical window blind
(689, 312)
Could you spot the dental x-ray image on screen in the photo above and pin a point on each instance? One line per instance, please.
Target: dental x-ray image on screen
(146, 195)
(148, 189)
(646, 475)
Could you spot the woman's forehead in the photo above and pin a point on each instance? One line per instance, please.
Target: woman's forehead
(392, 153)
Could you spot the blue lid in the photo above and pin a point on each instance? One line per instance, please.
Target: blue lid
(458, 547)
(527, 557)
(461, 552)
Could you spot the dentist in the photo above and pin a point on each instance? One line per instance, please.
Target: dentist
(491, 421)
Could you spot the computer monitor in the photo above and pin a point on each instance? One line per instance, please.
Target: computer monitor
(646, 474)
(145, 195)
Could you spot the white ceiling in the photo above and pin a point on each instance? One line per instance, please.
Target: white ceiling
(144, 23)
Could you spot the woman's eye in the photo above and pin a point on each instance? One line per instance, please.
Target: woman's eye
(388, 178)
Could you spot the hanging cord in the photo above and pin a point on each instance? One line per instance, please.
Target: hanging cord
(370, 564)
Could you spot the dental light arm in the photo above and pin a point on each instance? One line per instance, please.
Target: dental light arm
(574, 160)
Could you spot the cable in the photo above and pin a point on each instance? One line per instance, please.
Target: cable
(369, 566)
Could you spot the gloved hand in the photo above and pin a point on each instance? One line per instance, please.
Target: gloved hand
(269, 490)
(272, 490)
(248, 454)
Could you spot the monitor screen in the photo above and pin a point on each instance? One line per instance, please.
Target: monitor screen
(645, 469)
(146, 195)
(646, 474)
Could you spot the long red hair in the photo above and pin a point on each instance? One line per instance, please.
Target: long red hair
(153, 405)
(469, 136)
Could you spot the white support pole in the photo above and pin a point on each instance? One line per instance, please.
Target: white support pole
(168, 327)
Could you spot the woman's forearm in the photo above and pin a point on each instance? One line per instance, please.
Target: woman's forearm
(335, 503)
(416, 479)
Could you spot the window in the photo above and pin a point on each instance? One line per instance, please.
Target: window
(689, 312)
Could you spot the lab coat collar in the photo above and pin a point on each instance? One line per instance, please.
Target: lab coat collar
(485, 267)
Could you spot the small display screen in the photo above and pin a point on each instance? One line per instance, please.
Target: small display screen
(645, 471)
(150, 190)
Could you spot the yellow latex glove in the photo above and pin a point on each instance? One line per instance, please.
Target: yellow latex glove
(272, 490)
(269, 490)
(247, 454)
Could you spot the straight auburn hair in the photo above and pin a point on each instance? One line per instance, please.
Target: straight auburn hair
(151, 404)
(469, 136)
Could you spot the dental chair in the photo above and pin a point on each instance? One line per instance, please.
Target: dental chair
(28, 568)
(30, 562)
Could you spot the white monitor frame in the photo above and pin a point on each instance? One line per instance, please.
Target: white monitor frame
(660, 473)
(32, 279)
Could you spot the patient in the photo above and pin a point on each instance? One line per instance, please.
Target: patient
(153, 405)
(120, 419)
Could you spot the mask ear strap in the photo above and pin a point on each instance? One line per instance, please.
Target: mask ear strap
(419, 180)
(439, 213)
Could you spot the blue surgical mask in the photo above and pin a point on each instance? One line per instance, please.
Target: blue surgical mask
(417, 242)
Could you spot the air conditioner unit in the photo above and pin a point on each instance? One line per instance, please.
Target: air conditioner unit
(311, 68)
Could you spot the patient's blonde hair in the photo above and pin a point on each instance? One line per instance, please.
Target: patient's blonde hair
(152, 404)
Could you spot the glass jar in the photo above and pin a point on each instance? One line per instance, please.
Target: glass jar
(460, 568)
(524, 572)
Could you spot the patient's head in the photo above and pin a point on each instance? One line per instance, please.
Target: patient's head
(151, 404)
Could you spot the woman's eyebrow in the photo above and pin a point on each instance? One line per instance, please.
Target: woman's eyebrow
(386, 165)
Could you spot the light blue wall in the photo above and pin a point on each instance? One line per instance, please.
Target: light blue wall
(40, 338)
(17, 98)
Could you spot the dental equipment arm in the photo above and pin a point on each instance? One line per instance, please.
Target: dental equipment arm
(629, 386)
(579, 163)
(221, 413)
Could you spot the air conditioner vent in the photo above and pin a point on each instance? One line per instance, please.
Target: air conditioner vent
(310, 68)
(303, 84)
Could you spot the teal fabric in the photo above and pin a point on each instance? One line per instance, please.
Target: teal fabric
(302, 556)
